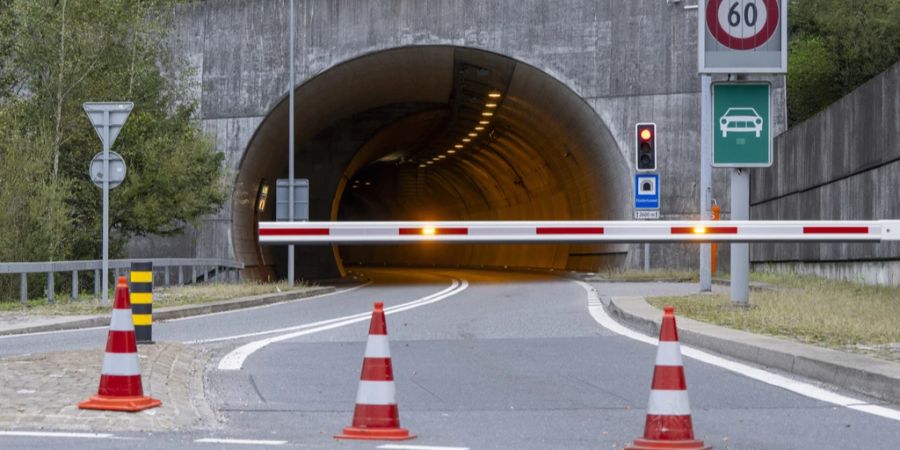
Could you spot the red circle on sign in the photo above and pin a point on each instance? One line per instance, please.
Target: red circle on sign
(748, 43)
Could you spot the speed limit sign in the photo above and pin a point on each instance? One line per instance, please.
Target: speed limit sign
(742, 36)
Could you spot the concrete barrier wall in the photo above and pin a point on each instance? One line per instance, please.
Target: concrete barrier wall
(843, 163)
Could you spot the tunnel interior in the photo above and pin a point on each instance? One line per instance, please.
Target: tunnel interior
(434, 133)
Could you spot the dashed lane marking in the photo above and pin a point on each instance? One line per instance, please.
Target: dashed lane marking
(418, 447)
(239, 441)
(599, 314)
(235, 359)
(57, 434)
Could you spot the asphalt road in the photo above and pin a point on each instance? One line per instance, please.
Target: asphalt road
(513, 361)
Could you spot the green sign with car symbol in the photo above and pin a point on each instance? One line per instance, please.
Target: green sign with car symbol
(742, 133)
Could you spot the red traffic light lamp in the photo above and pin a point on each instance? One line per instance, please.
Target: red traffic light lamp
(645, 147)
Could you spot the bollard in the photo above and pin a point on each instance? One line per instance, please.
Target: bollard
(142, 301)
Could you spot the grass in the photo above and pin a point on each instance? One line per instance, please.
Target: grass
(652, 275)
(162, 297)
(838, 314)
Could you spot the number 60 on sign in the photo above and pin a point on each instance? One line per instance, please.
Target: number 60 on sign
(742, 36)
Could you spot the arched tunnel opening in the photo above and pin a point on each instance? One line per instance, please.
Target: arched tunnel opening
(434, 133)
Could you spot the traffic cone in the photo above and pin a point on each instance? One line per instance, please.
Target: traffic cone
(376, 416)
(120, 377)
(669, 411)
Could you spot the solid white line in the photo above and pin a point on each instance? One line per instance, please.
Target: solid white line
(235, 359)
(105, 327)
(418, 447)
(314, 297)
(239, 441)
(56, 434)
(599, 314)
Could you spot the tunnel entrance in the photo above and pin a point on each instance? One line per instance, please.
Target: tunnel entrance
(434, 133)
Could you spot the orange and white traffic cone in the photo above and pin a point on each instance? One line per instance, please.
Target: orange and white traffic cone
(669, 423)
(376, 416)
(120, 377)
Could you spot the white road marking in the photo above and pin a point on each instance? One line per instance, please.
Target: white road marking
(239, 441)
(303, 299)
(235, 359)
(56, 434)
(106, 327)
(599, 314)
(418, 447)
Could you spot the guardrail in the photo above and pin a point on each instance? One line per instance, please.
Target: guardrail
(201, 270)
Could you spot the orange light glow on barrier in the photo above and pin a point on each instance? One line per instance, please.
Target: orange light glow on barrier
(428, 231)
(699, 230)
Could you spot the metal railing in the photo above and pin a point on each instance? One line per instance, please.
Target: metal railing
(201, 270)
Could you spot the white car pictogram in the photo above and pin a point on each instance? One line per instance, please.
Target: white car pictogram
(741, 120)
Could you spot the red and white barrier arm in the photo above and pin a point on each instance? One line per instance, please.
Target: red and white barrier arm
(577, 231)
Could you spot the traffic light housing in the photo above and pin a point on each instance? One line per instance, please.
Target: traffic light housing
(645, 146)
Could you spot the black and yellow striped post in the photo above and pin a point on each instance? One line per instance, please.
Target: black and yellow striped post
(142, 301)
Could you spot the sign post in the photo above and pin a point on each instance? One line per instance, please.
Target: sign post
(739, 37)
(107, 119)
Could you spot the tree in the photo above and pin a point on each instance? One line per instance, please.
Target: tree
(58, 54)
(835, 46)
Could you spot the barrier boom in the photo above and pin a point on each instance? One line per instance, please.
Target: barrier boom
(576, 231)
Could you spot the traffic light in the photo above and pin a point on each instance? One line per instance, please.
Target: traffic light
(645, 146)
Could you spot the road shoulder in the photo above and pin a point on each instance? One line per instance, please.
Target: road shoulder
(858, 373)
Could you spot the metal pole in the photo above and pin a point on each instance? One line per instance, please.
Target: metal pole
(180, 275)
(96, 283)
(290, 271)
(105, 269)
(23, 288)
(50, 288)
(74, 285)
(740, 253)
(705, 177)
(646, 256)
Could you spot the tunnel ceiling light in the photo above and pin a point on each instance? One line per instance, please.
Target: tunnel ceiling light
(451, 151)
(473, 134)
(368, 183)
(458, 146)
(487, 114)
(491, 105)
(467, 140)
(421, 165)
(355, 186)
(442, 156)
(479, 128)
(494, 95)
(430, 163)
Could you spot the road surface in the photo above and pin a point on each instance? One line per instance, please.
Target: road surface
(482, 360)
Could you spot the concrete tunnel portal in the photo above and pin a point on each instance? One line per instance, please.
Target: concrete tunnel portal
(434, 133)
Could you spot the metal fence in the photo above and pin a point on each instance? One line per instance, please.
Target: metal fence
(166, 272)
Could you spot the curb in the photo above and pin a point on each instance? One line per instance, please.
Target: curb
(177, 312)
(858, 373)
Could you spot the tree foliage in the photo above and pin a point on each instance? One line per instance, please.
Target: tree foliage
(835, 46)
(57, 54)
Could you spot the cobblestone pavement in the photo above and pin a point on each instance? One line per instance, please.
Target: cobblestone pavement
(42, 391)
